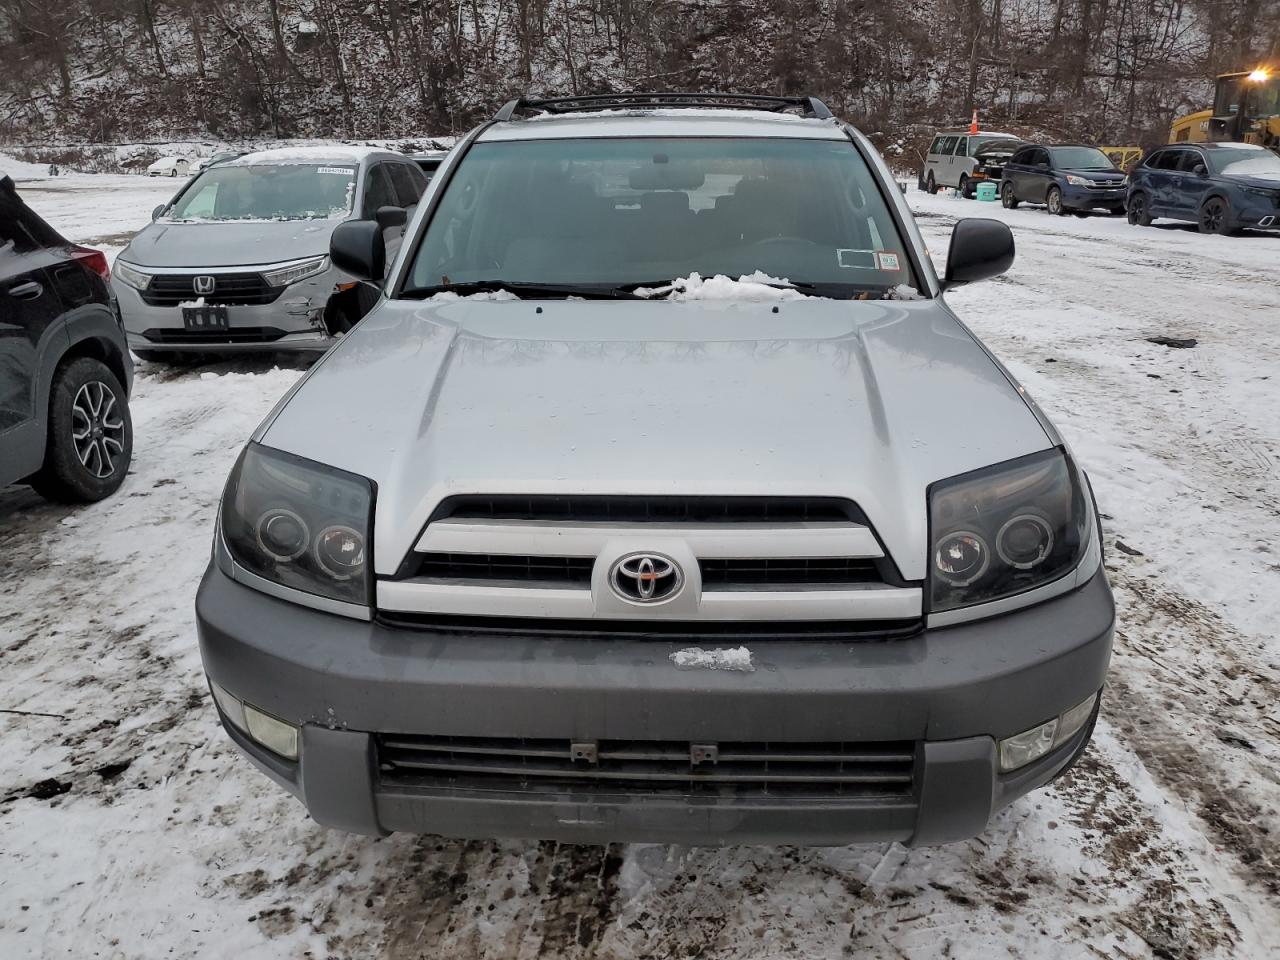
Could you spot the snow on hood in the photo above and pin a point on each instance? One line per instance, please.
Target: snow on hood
(755, 287)
(870, 400)
(227, 243)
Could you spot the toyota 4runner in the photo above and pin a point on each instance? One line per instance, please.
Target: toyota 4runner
(661, 497)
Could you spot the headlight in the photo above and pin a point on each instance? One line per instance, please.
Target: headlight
(1004, 530)
(296, 271)
(134, 278)
(300, 523)
(1078, 181)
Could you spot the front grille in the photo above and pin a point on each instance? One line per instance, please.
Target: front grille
(171, 289)
(650, 509)
(820, 770)
(725, 633)
(496, 567)
(233, 335)
(765, 572)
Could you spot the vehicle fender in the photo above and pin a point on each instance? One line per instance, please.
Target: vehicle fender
(93, 330)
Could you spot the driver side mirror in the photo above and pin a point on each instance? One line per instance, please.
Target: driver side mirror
(1200, 170)
(155, 214)
(980, 249)
(357, 248)
(388, 217)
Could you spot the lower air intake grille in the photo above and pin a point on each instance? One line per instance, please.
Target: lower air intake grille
(872, 771)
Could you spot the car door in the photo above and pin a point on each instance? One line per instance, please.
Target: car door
(378, 193)
(934, 160)
(1016, 171)
(958, 162)
(30, 331)
(1190, 182)
(1039, 175)
(1162, 167)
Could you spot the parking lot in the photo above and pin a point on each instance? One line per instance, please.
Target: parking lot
(129, 827)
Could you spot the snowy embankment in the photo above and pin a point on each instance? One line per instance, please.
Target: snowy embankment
(129, 827)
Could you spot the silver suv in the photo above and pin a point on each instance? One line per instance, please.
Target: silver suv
(660, 498)
(238, 259)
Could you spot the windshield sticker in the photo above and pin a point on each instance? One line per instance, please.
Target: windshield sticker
(856, 259)
(887, 261)
(340, 171)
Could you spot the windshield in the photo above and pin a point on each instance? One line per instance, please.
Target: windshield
(268, 191)
(1243, 162)
(643, 211)
(1081, 158)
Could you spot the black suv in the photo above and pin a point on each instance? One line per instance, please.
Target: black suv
(65, 371)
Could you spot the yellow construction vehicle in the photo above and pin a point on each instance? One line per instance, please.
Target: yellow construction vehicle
(1246, 108)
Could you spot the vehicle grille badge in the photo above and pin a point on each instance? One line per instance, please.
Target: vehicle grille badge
(646, 578)
(204, 284)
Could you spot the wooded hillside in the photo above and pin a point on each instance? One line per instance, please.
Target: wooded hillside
(1104, 70)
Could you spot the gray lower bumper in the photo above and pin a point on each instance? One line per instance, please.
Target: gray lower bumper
(952, 691)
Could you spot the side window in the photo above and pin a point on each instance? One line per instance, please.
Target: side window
(1189, 160)
(407, 191)
(948, 144)
(15, 236)
(936, 146)
(1153, 161)
(1022, 156)
(1037, 156)
(377, 191)
(962, 146)
(1170, 159)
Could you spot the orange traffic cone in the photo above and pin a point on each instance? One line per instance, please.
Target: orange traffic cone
(973, 124)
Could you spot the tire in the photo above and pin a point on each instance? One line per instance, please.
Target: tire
(1215, 217)
(173, 172)
(930, 185)
(1138, 211)
(1053, 202)
(965, 187)
(1008, 199)
(90, 434)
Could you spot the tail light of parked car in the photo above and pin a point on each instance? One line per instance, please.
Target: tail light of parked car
(95, 260)
(1005, 529)
(299, 523)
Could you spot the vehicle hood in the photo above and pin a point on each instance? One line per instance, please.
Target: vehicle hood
(872, 401)
(228, 243)
(1001, 150)
(1097, 176)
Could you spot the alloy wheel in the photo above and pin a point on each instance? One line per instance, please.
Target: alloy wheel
(1054, 201)
(97, 429)
(1137, 207)
(1212, 216)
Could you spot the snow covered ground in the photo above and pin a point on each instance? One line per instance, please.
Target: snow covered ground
(129, 827)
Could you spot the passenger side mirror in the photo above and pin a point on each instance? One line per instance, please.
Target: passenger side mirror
(980, 250)
(357, 248)
(388, 217)
(155, 214)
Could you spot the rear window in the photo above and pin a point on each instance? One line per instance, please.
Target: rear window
(647, 210)
(21, 231)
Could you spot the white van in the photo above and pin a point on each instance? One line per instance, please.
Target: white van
(952, 160)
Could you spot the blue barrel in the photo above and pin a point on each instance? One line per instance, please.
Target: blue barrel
(986, 190)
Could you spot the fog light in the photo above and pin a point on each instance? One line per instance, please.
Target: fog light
(1070, 723)
(1020, 749)
(231, 708)
(276, 735)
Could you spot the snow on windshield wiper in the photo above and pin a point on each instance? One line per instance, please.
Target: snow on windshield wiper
(520, 288)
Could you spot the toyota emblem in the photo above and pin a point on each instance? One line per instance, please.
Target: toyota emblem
(645, 578)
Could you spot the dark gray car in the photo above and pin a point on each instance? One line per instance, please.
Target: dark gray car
(65, 372)
(1066, 179)
(662, 498)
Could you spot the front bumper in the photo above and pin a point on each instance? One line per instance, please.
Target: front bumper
(951, 692)
(293, 321)
(1087, 198)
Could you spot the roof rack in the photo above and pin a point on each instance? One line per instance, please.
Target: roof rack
(808, 106)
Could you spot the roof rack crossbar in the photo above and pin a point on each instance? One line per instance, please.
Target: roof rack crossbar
(810, 106)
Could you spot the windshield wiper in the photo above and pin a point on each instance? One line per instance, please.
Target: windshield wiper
(521, 288)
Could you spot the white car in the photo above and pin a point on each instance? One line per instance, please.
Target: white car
(169, 167)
